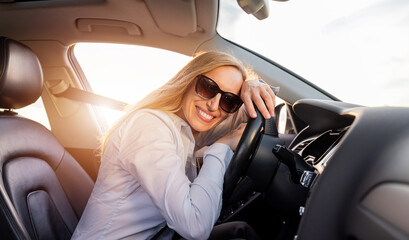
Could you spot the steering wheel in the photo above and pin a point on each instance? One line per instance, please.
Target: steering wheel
(243, 155)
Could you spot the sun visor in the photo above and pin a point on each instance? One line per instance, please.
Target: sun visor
(178, 18)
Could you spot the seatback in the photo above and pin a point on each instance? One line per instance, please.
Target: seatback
(43, 190)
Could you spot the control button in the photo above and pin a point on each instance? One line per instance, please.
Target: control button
(306, 178)
(301, 210)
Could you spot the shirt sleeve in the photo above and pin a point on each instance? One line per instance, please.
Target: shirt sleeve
(148, 149)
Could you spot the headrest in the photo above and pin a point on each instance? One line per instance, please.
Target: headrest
(21, 77)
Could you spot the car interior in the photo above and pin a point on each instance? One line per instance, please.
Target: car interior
(336, 170)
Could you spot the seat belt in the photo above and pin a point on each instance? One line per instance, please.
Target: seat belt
(62, 89)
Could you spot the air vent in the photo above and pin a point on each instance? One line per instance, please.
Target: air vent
(302, 145)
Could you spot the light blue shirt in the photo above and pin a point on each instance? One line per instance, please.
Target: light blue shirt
(147, 180)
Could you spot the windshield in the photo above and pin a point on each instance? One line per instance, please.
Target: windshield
(356, 50)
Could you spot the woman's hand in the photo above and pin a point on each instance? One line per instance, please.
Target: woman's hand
(259, 93)
(233, 137)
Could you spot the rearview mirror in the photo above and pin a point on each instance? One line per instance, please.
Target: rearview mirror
(258, 8)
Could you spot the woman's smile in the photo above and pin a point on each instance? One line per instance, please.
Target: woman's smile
(204, 115)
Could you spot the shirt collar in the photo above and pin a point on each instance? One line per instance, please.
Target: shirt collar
(181, 124)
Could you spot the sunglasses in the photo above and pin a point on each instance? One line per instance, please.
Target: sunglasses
(207, 89)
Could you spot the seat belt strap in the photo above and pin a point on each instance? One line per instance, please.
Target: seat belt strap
(80, 95)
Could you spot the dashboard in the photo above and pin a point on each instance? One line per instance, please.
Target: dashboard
(359, 159)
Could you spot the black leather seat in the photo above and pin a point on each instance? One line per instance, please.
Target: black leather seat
(43, 190)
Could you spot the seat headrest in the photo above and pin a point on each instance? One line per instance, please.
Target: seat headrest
(21, 77)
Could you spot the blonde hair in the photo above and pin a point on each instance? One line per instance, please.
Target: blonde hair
(168, 98)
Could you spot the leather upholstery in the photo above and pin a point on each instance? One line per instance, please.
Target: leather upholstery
(43, 190)
(21, 78)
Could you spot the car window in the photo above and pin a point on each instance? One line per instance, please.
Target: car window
(35, 112)
(355, 50)
(124, 72)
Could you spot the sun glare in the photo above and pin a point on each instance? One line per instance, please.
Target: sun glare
(126, 72)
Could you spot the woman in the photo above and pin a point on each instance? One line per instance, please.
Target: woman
(148, 177)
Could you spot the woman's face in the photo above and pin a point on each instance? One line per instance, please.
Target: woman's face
(202, 114)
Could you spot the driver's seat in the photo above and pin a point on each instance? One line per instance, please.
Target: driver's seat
(43, 190)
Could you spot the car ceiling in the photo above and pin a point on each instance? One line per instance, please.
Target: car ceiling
(178, 25)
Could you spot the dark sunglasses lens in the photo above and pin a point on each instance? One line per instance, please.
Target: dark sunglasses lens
(206, 88)
(230, 103)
